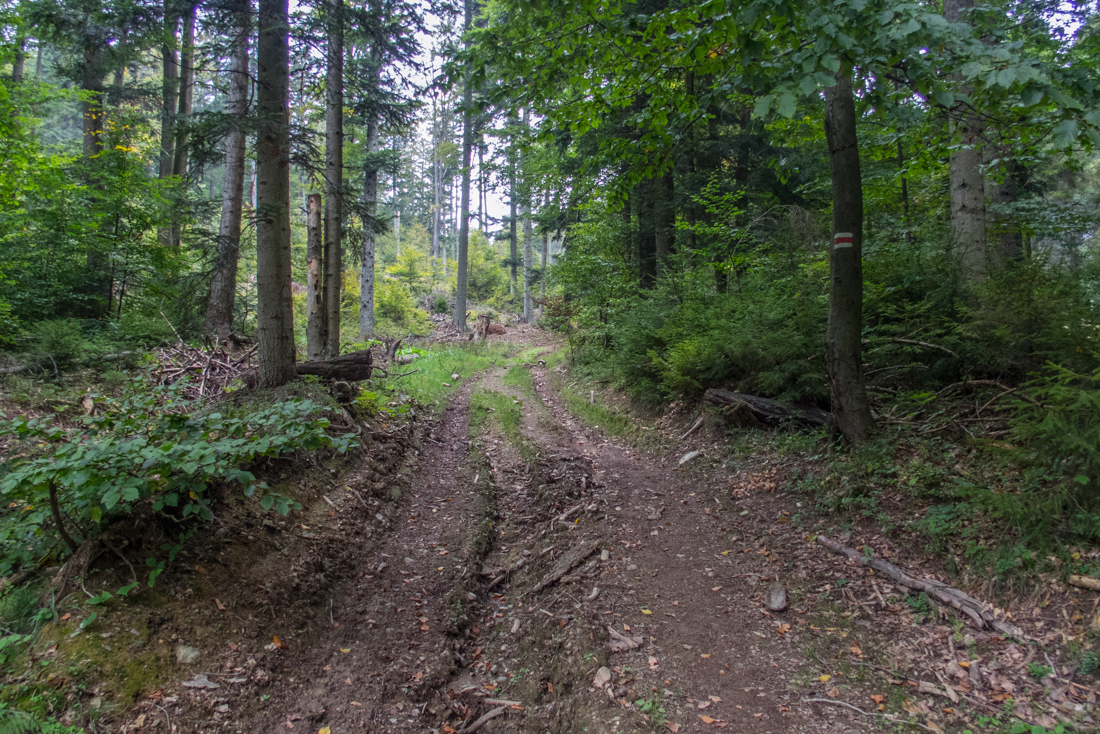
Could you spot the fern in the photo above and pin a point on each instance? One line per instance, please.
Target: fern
(18, 722)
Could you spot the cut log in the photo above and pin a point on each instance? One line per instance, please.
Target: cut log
(981, 613)
(749, 409)
(351, 367)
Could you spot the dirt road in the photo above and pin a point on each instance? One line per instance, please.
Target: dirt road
(541, 576)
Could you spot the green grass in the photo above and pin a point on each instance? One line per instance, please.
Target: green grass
(519, 376)
(431, 384)
(491, 409)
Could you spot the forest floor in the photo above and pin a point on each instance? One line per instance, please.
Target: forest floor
(508, 566)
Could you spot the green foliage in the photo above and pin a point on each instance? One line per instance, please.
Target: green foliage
(1059, 424)
(395, 309)
(18, 722)
(59, 342)
(153, 448)
(1037, 670)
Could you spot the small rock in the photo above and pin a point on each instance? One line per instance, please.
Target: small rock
(186, 655)
(515, 626)
(200, 682)
(603, 677)
(604, 554)
(632, 567)
(777, 597)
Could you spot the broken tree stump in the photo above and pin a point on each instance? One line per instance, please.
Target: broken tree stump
(751, 410)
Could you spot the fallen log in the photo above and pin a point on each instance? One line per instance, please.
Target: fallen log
(570, 559)
(750, 409)
(351, 367)
(983, 615)
(1083, 582)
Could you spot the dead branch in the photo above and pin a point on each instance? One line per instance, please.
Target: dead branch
(926, 344)
(1083, 582)
(888, 717)
(484, 720)
(982, 614)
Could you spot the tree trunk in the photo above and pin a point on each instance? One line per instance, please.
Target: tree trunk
(92, 134)
(664, 221)
(334, 179)
(545, 245)
(351, 367)
(19, 61)
(274, 315)
(186, 95)
(169, 104)
(1005, 227)
(437, 180)
(370, 206)
(513, 223)
(968, 216)
(223, 286)
(843, 351)
(468, 123)
(315, 307)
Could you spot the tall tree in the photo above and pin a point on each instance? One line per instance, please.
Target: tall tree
(274, 314)
(223, 286)
(843, 347)
(315, 307)
(334, 178)
(186, 95)
(370, 182)
(468, 123)
(968, 216)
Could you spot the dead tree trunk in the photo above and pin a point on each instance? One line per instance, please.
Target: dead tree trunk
(753, 411)
(351, 367)
(334, 178)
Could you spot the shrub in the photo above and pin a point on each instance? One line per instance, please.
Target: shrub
(146, 448)
(58, 342)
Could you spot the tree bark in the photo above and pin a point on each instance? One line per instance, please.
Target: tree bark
(19, 61)
(274, 314)
(92, 141)
(513, 235)
(545, 245)
(351, 367)
(186, 94)
(334, 179)
(468, 123)
(169, 104)
(968, 215)
(437, 180)
(843, 350)
(1005, 228)
(370, 206)
(223, 286)
(315, 307)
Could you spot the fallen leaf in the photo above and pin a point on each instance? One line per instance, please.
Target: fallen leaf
(856, 650)
(324, 730)
(279, 643)
(672, 726)
(221, 607)
(824, 678)
(964, 664)
(66, 616)
(345, 649)
(716, 588)
(833, 692)
(646, 611)
(201, 570)
(704, 656)
(715, 699)
(877, 698)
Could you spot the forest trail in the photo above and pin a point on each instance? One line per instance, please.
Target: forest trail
(432, 633)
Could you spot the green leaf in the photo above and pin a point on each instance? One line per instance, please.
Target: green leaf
(944, 98)
(763, 106)
(1064, 134)
(788, 105)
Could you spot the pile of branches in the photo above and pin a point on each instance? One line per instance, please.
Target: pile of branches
(969, 406)
(202, 372)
